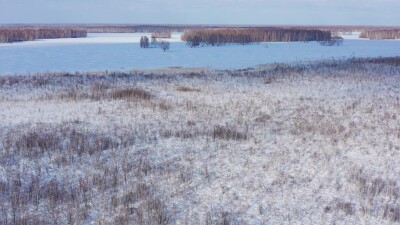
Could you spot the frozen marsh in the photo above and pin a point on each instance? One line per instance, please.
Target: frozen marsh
(311, 143)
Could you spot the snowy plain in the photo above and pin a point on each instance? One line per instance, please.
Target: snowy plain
(308, 144)
(122, 52)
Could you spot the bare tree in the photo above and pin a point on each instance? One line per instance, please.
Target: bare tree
(154, 42)
(144, 42)
(193, 41)
(164, 45)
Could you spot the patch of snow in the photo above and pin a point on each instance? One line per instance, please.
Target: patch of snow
(351, 36)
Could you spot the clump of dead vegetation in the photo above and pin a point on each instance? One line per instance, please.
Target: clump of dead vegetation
(130, 93)
(228, 133)
(100, 92)
(187, 89)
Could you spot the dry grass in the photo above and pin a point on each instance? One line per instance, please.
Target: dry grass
(187, 89)
(228, 133)
(101, 92)
(130, 93)
(315, 143)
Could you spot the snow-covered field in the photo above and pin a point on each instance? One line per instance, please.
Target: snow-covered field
(122, 52)
(301, 144)
(351, 35)
(92, 38)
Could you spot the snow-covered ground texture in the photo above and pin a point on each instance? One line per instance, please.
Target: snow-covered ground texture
(122, 52)
(351, 35)
(311, 143)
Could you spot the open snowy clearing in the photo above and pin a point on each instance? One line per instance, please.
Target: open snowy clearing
(351, 36)
(314, 143)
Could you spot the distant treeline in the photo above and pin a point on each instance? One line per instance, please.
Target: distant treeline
(381, 34)
(99, 28)
(131, 29)
(375, 32)
(136, 28)
(338, 28)
(182, 28)
(152, 28)
(251, 35)
(8, 35)
(161, 35)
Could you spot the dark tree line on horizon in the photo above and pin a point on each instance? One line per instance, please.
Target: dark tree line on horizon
(16, 35)
(167, 28)
(161, 35)
(215, 37)
(381, 34)
(132, 29)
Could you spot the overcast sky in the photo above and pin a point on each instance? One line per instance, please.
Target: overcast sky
(346, 12)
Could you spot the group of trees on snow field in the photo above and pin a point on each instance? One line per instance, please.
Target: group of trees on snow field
(9, 35)
(145, 43)
(381, 34)
(243, 36)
